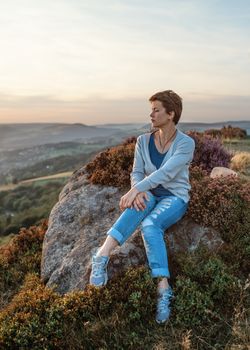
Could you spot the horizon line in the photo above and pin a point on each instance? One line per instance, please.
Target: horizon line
(181, 122)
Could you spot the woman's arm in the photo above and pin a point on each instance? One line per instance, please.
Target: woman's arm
(137, 173)
(127, 200)
(183, 155)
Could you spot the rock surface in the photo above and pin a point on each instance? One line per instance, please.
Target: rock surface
(78, 224)
(222, 171)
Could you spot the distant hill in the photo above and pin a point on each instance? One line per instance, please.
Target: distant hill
(244, 124)
(123, 126)
(184, 126)
(25, 135)
(17, 136)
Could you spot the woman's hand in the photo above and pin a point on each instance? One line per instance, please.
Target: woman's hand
(127, 200)
(138, 202)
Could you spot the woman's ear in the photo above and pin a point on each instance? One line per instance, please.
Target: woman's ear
(171, 115)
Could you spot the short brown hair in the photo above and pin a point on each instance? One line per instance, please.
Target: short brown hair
(170, 101)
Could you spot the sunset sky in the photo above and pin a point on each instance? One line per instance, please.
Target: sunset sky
(98, 62)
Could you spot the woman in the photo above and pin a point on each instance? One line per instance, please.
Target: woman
(158, 197)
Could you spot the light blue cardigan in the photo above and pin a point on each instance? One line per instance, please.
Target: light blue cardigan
(173, 173)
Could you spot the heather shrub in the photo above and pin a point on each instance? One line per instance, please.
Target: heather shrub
(39, 318)
(227, 132)
(205, 287)
(210, 287)
(196, 173)
(20, 256)
(121, 314)
(210, 272)
(213, 132)
(223, 203)
(30, 320)
(241, 162)
(209, 152)
(128, 140)
(113, 166)
(191, 304)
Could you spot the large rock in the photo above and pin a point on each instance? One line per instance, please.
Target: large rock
(78, 224)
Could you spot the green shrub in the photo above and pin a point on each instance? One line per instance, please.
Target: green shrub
(121, 314)
(192, 305)
(37, 317)
(27, 205)
(25, 324)
(206, 276)
(206, 294)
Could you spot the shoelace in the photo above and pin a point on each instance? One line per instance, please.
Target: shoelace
(98, 268)
(164, 300)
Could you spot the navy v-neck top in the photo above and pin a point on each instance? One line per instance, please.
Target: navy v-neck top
(157, 158)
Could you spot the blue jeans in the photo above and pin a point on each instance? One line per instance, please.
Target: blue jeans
(160, 213)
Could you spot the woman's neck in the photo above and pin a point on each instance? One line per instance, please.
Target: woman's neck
(166, 133)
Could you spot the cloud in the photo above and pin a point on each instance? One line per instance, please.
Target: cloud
(80, 48)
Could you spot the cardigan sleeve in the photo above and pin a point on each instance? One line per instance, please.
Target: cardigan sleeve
(137, 173)
(181, 157)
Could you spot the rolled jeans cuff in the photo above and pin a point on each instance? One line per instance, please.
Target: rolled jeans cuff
(116, 234)
(160, 272)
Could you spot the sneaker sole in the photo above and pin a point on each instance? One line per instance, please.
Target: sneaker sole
(162, 322)
(103, 284)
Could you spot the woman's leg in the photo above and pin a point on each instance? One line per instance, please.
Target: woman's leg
(117, 234)
(107, 247)
(166, 212)
(125, 225)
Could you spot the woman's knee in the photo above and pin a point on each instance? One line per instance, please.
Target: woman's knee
(151, 199)
(149, 224)
(149, 202)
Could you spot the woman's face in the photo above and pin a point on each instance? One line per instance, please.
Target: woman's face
(159, 116)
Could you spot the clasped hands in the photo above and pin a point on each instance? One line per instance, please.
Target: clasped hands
(133, 198)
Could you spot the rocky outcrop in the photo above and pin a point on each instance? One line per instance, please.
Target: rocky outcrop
(222, 171)
(78, 224)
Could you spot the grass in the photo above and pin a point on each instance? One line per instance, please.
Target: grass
(237, 145)
(6, 239)
(27, 204)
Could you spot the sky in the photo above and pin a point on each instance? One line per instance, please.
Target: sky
(96, 62)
